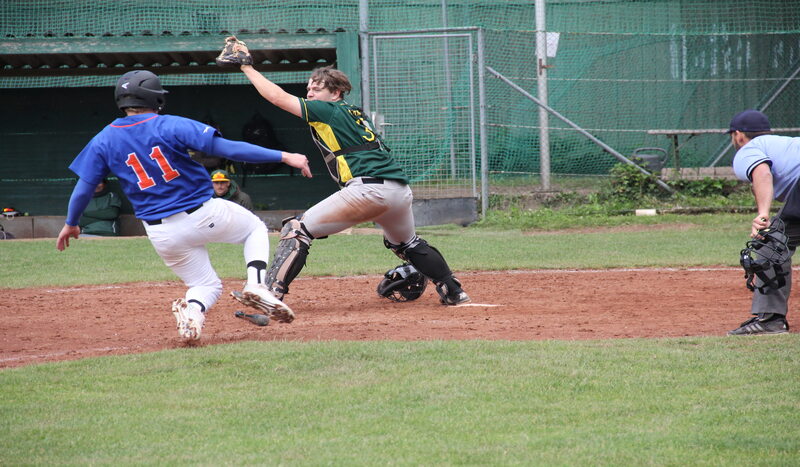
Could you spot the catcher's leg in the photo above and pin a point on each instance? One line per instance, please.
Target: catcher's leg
(430, 262)
(290, 256)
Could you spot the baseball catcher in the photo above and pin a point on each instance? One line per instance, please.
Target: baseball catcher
(373, 186)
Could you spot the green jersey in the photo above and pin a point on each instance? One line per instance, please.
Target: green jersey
(349, 144)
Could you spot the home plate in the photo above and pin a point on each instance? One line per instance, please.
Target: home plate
(476, 304)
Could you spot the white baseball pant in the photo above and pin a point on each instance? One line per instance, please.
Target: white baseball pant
(180, 240)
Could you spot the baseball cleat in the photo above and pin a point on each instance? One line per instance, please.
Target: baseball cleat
(458, 299)
(259, 297)
(446, 297)
(190, 320)
(762, 325)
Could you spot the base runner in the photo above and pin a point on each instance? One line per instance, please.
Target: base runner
(172, 195)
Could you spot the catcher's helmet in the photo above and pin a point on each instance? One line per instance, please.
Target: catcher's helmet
(764, 257)
(402, 284)
(140, 88)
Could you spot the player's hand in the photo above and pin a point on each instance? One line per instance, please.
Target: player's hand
(759, 223)
(298, 161)
(66, 232)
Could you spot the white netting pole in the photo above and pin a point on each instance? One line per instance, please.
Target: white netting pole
(541, 80)
(482, 119)
(363, 35)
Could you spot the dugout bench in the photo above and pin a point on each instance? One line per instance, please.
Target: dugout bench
(676, 145)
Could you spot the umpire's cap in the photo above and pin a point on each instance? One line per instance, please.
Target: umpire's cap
(750, 121)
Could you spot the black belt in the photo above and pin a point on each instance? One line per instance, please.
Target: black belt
(188, 211)
(373, 180)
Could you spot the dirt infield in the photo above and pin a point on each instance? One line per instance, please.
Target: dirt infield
(51, 324)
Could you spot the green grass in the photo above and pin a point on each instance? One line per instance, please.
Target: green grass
(690, 401)
(675, 241)
(684, 401)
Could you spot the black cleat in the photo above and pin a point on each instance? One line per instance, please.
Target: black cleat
(452, 298)
(761, 325)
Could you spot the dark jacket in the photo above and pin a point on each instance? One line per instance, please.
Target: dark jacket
(236, 195)
(101, 216)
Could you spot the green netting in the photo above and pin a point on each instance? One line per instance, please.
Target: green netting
(435, 139)
(621, 68)
(39, 18)
(619, 86)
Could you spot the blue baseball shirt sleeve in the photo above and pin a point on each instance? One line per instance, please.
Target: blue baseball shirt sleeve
(81, 195)
(243, 152)
(89, 164)
(209, 140)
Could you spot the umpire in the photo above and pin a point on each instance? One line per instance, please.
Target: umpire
(772, 164)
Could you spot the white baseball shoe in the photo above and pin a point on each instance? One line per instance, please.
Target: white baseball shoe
(259, 297)
(189, 318)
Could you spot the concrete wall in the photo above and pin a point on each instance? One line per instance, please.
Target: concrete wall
(461, 211)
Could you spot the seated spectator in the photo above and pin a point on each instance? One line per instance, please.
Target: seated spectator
(101, 217)
(226, 188)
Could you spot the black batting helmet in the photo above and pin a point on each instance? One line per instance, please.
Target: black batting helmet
(140, 88)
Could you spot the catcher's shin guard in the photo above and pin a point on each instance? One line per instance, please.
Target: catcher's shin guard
(290, 256)
(429, 261)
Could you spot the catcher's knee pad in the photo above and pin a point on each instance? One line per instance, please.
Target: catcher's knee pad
(426, 259)
(290, 256)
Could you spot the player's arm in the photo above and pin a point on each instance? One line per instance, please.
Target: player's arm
(246, 152)
(81, 195)
(272, 92)
(763, 190)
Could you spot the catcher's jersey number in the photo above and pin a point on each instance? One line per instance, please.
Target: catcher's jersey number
(145, 181)
(370, 136)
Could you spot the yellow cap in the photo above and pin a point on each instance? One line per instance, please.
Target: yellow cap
(219, 176)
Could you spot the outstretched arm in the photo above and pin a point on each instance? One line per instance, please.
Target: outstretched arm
(246, 152)
(272, 92)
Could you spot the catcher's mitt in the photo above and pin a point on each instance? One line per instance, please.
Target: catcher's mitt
(764, 257)
(402, 284)
(234, 53)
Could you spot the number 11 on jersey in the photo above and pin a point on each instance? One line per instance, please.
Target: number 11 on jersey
(145, 181)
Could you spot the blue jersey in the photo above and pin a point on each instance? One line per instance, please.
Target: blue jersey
(149, 155)
(782, 153)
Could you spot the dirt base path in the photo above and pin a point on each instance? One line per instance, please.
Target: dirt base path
(51, 324)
